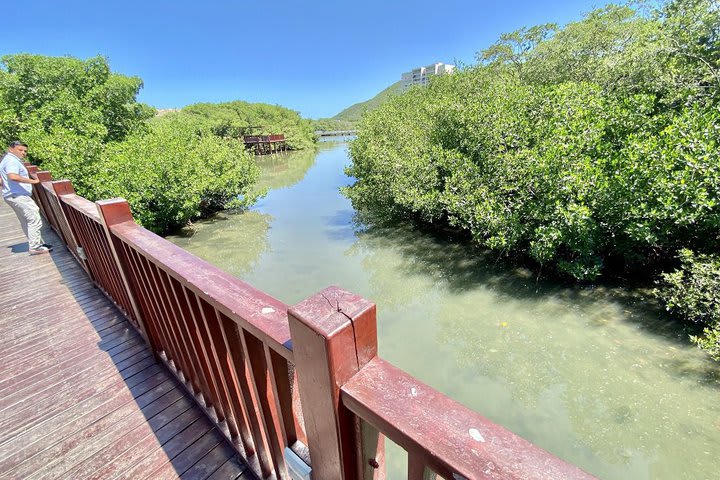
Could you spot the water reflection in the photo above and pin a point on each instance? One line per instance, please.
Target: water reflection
(231, 241)
(236, 241)
(284, 169)
(594, 375)
(562, 366)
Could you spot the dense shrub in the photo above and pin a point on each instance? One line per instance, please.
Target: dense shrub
(174, 173)
(235, 119)
(572, 169)
(693, 292)
(588, 149)
(82, 122)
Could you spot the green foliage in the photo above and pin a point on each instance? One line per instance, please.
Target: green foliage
(693, 292)
(579, 148)
(82, 122)
(67, 109)
(354, 113)
(63, 94)
(235, 119)
(331, 125)
(172, 174)
(587, 149)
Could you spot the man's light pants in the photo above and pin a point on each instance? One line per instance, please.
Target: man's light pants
(29, 215)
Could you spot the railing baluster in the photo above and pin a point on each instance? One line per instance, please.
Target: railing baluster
(218, 355)
(95, 251)
(282, 391)
(180, 360)
(42, 195)
(234, 387)
(370, 445)
(238, 355)
(417, 469)
(206, 376)
(187, 323)
(169, 345)
(210, 361)
(113, 212)
(145, 299)
(61, 188)
(264, 394)
(178, 317)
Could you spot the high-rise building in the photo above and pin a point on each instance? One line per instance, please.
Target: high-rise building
(421, 75)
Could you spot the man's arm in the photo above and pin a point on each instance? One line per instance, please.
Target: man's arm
(17, 178)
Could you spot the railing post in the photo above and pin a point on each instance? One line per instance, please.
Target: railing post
(32, 172)
(64, 229)
(41, 194)
(334, 335)
(112, 212)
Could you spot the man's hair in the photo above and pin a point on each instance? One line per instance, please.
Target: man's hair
(16, 143)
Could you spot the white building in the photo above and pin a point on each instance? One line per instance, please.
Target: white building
(422, 75)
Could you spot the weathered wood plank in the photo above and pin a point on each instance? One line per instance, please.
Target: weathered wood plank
(30, 441)
(25, 360)
(54, 404)
(65, 464)
(207, 465)
(129, 460)
(51, 390)
(80, 394)
(175, 457)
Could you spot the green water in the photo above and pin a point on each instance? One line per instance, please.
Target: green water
(596, 376)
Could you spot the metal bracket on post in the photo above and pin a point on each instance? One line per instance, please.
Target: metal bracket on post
(81, 253)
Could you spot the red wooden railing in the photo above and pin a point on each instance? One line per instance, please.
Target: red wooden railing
(289, 386)
(265, 144)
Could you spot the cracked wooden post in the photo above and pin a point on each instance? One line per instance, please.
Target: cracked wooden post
(334, 335)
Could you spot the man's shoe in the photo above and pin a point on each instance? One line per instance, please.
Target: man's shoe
(47, 245)
(40, 250)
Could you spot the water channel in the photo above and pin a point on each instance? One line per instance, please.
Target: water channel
(597, 376)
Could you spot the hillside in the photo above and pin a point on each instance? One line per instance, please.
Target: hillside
(354, 112)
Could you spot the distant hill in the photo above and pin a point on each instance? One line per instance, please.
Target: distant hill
(354, 112)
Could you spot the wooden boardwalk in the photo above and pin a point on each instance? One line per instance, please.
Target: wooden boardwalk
(81, 395)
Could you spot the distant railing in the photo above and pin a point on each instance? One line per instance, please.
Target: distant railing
(290, 387)
(265, 144)
(335, 133)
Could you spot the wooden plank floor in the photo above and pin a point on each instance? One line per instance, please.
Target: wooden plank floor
(80, 393)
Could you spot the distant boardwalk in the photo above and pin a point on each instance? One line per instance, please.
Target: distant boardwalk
(81, 395)
(335, 133)
(265, 144)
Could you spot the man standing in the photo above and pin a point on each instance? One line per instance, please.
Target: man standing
(17, 192)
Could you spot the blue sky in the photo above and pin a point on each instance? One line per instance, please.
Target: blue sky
(316, 57)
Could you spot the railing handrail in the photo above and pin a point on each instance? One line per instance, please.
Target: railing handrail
(433, 428)
(264, 315)
(82, 204)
